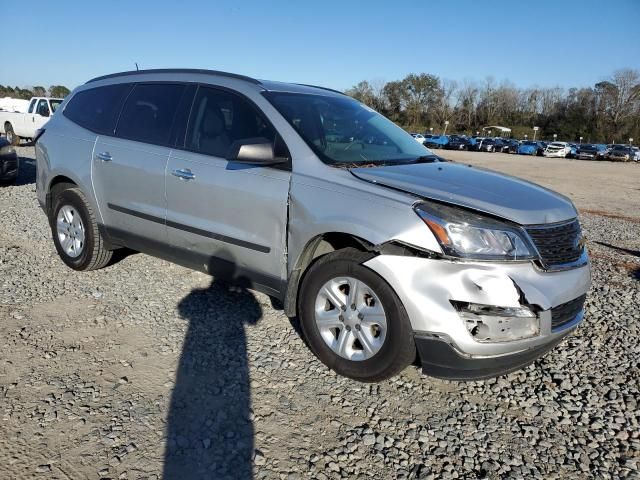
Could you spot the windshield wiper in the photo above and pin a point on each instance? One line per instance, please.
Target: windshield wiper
(424, 159)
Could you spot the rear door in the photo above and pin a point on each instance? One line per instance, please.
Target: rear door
(228, 218)
(129, 166)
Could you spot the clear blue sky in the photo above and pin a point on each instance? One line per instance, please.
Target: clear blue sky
(325, 42)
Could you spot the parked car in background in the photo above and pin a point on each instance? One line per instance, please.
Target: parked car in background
(574, 150)
(591, 151)
(458, 142)
(491, 145)
(18, 125)
(436, 141)
(636, 154)
(475, 143)
(531, 147)
(8, 162)
(557, 149)
(510, 146)
(384, 254)
(621, 153)
(418, 137)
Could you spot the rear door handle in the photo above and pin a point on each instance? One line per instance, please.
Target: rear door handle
(104, 156)
(183, 173)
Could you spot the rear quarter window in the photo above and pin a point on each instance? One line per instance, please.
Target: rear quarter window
(97, 109)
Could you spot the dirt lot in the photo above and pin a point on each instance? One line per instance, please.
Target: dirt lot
(593, 186)
(146, 370)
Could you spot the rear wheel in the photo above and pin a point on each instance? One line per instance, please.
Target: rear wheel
(75, 231)
(352, 319)
(12, 138)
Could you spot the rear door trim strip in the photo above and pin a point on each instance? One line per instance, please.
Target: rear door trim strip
(190, 229)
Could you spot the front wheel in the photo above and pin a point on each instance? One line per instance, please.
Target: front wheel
(75, 231)
(352, 319)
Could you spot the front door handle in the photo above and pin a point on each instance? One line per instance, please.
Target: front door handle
(183, 173)
(104, 156)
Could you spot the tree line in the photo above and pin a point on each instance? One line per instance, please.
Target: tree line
(56, 91)
(608, 112)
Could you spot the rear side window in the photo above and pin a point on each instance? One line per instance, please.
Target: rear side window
(219, 118)
(97, 109)
(43, 108)
(149, 111)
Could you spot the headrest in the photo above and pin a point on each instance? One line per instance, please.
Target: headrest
(213, 123)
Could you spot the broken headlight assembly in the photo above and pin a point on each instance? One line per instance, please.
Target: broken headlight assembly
(465, 234)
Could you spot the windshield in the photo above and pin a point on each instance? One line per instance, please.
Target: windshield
(533, 144)
(55, 104)
(588, 147)
(342, 131)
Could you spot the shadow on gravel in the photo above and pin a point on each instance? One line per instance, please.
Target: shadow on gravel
(27, 171)
(209, 427)
(628, 251)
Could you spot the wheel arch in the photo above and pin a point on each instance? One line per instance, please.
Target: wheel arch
(57, 182)
(315, 248)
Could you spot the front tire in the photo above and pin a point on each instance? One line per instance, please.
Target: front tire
(352, 319)
(75, 231)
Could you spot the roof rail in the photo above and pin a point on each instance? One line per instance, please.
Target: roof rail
(177, 70)
(321, 88)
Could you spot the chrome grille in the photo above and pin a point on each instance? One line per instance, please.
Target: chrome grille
(557, 244)
(566, 312)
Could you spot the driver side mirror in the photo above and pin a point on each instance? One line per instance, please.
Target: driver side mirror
(254, 151)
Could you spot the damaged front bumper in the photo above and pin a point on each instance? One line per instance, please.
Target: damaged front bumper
(481, 319)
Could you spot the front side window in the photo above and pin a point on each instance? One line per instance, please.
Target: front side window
(148, 113)
(219, 118)
(342, 131)
(97, 109)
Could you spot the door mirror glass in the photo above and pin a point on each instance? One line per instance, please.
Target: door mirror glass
(254, 151)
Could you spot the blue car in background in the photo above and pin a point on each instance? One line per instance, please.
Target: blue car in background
(574, 150)
(436, 141)
(530, 147)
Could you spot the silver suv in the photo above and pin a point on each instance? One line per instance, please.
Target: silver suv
(385, 253)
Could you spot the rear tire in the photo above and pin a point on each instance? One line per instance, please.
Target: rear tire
(379, 319)
(12, 138)
(75, 231)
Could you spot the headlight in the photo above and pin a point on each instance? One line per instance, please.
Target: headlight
(468, 235)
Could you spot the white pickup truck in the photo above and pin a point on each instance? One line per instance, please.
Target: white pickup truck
(17, 125)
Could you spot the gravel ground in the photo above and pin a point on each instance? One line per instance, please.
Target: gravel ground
(147, 370)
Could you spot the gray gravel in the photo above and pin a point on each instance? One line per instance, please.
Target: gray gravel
(148, 370)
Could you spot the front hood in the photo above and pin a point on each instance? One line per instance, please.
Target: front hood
(494, 193)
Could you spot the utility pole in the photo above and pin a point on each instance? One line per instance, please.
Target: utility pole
(446, 124)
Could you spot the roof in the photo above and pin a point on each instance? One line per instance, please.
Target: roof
(174, 70)
(268, 85)
(502, 129)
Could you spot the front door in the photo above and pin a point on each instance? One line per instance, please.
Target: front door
(230, 219)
